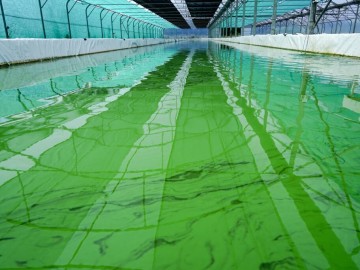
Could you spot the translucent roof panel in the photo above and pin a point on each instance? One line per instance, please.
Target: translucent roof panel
(132, 9)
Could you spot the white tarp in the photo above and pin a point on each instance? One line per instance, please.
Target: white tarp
(28, 50)
(336, 44)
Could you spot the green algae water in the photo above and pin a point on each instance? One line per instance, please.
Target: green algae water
(187, 156)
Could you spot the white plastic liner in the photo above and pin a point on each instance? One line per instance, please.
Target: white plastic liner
(337, 44)
(28, 50)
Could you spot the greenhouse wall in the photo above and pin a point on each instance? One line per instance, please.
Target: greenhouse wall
(29, 50)
(23, 19)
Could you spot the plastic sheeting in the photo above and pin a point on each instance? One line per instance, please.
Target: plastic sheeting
(336, 44)
(28, 50)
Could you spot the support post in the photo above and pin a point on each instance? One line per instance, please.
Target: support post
(87, 18)
(143, 30)
(273, 18)
(311, 26)
(112, 23)
(101, 21)
(68, 10)
(4, 20)
(337, 21)
(139, 30)
(42, 16)
(120, 22)
(255, 17)
(243, 18)
(128, 28)
(237, 18)
(356, 17)
(229, 22)
(133, 28)
(152, 27)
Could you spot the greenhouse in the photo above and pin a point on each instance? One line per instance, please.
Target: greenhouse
(179, 134)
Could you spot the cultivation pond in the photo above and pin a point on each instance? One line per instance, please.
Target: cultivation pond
(182, 156)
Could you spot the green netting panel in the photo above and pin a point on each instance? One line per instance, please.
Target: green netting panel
(17, 18)
(23, 18)
(264, 11)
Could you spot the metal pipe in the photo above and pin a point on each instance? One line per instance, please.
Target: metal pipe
(4, 20)
(255, 17)
(68, 17)
(112, 23)
(143, 30)
(87, 18)
(230, 19)
(311, 26)
(273, 18)
(120, 22)
(237, 17)
(243, 19)
(127, 25)
(139, 30)
(337, 20)
(101, 21)
(133, 28)
(153, 30)
(323, 12)
(228, 30)
(356, 18)
(42, 17)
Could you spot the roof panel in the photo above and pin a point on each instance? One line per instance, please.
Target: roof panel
(166, 10)
(133, 9)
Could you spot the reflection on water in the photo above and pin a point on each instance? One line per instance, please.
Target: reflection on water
(190, 157)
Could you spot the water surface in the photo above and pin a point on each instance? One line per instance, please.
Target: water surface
(185, 156)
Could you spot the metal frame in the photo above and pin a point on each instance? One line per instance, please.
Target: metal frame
(68, 10)
(41, 6)
(326, 16)
(87, 18)
(4, 19)
(112, 24)
(101, 20)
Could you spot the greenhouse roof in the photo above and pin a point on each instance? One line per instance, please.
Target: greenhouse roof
(165, 13)
(137, 11)
(200, 14)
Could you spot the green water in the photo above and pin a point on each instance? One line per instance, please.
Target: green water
(185, 156)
